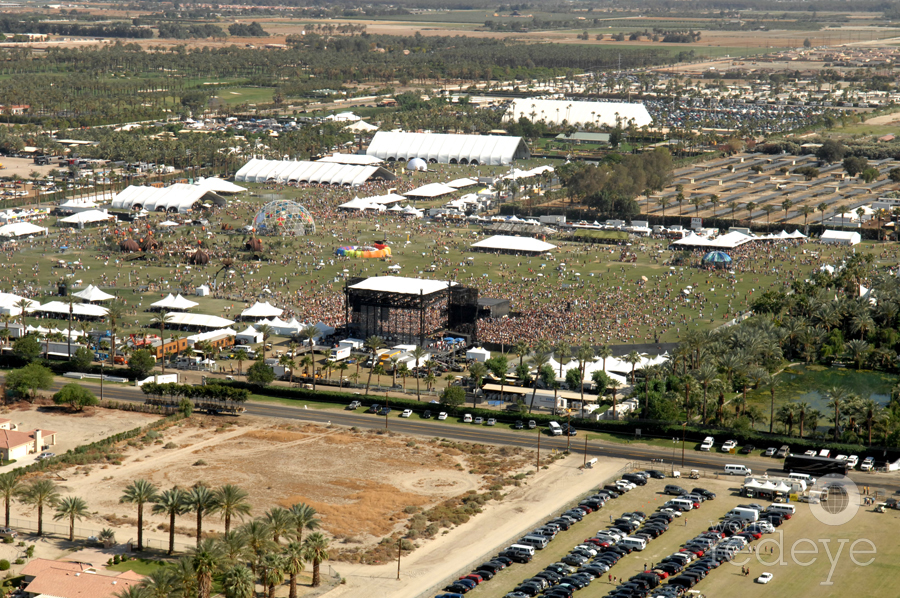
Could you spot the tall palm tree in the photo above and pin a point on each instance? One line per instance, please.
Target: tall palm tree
(633, 358)
(273, 575)
(234, 547)
(183, 569)
(161, 582)
(71, 508)
(266, 331)
(870, 410)
(70, 300)
(604, 353)
(160, 320)
(418, 355)
(773, 382)
(205, 559)
(240, 356)
(705, 374)
(238, 582)
(115, 311)
(584, 353)
(836, 397)
(521, 348)
(232, 502)
(40, 494)
(258, 536)
(287, 362)
(562, 351)
(280, 521)
(615, 385)
(140, 492)
(373, 343)
(315, 549)
(310, 333)
(293, 565)
(10, 489)
(171, 503)
(304, 518)
(802, 408)
(341, 367)
(135, 591)
(202, 501)
(539, 360)
(22, 305)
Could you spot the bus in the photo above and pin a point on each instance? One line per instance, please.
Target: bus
(814, 466)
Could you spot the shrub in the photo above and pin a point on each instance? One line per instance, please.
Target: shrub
(4, 565)
(199, 462)
(8, 540)
(20, 561)
(117, 559)
(170, 445)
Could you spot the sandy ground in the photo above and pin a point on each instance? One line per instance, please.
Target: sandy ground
(521, 510)
(74, 429)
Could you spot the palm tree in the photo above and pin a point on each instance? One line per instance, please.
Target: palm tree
(70, 300)
(135, 591)
(562, 351)
(373, 343)
(293, 565)
(304, 518)
(161, 582)
(232, 501)
(238, 582)
(160, 320)
(418, 355)
(280, 522)
(539, 360)
(584, 353)
(266, 331)
(836, 398)
(40, 494)
(870, 409)
(205, 559)
(802, 408)
(705, 374)
(23, 305)
(273, 575)
(183, 569)
(477, 371)
(604, 353)
(10, 488)
(115, 311)
(240, 356)
(315, 549)
(171, 503)
(287, 362)
(633, 358)
(140, 492)
(614, 385)
(234, 547)
(71, 508)
(202, 501)
(521, 348)
(310, 333)
(258, 536)
(341, 367)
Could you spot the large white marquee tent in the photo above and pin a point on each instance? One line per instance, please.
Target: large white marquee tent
(595, 113)
(179, 197)
(448, 149)
(517, 244)
(329, 173)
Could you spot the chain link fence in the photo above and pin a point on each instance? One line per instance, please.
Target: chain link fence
(52, 528)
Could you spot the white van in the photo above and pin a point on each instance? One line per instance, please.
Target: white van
(522, 548)
(633, 543)
(737, 470)
(707, 444)
(682, 504)
(555, 429)
(802, 477)
(781, 508)
(741, 513)
(538, 542)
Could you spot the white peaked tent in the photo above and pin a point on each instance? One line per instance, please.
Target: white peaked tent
(88, 217)
(282, 328)
(8, 303)
(262, 310)
(92, 293)
(177, 303)
(248, 336)
(361, 126)
(21, 229)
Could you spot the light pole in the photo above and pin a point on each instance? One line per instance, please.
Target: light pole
(539, 449)
(585, 450)
(683, 428)
(568, 428)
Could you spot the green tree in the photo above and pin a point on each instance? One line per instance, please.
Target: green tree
(315, 550)
(140, 492)
(75, 396)
(241, 356)
(304, 519)
(141, 363)
(27, 348)
(498, 365)
(238, 582)
(232, 502)
(71, 508)
(171, 503)
(273, 572)
(453, 397)
(418, 355)
(29, 379)
(202, 501)
(40, 494)
(260, 374)
(115, 312)
(373, 343)
(293, 565)
(10, 489)
(82, 359)
(205, 559)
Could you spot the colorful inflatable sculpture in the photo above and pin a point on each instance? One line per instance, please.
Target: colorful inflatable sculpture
(378, 250)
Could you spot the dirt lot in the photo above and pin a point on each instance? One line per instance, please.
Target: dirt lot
(74, 429)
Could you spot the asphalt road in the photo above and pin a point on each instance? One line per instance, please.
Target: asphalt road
(502, 435)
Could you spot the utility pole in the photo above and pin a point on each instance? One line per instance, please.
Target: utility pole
(386, 412)
(585, 450)
(569, 428)
(399, 552)
(539, 450)
(683, 428)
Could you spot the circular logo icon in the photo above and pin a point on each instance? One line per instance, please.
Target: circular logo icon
(838, 501)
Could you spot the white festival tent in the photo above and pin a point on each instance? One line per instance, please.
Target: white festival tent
(92, 293)
(361, 126)
(199, 320)
(355, 159)
(249, 336)
(443, 148)
(329, 173)
(262, 310)
(78, 309)
(177, 303)
(282, 328)
(88, 217)
(218, 185)
(361, 204)
(179, 197)
(594, 113)
(460, 183)
(508, 243)
(431, 190)
(21, 229)
(727, 241)
(8, 303)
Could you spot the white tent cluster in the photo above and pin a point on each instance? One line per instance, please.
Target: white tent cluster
(378, 203)
(198, 320)
(21, 229)
(329, 173)
(62, 309)
(783, 236)
(179, 197)
(430, 191)
(92, 293)
(356, 159)
(88, 217)
(8, 304)
(176, 303)
(527, 174)
(587, 113)
(727, 241)
(448, 149)
(262, 310)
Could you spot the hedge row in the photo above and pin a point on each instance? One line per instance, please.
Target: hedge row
(693, 433)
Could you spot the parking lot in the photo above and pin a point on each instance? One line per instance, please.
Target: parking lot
(728, 579)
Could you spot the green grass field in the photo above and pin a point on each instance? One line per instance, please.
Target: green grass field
(140, 566)
(240, 95)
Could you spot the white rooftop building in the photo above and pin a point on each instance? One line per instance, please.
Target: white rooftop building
(329, 173)
(448, 149)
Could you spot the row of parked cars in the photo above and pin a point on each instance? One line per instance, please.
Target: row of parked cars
(728, 446)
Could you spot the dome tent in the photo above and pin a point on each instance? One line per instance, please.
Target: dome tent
(717, 258)
(129, 245)
(417, 164)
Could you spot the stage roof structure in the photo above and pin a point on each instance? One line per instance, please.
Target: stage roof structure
(516, 244)
(595, 113)
(219, 185)
(179, 197)
(401, 285)
(329, 173)
(448, 149)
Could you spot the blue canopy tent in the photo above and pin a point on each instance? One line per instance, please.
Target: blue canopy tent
(717, 258)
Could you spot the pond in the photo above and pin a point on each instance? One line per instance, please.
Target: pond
(810, 382)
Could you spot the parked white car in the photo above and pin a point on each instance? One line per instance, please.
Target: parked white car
(442, 415)
(764, 578)
(729, 445)
(406, 413)
(868, 464)
(852, 460)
